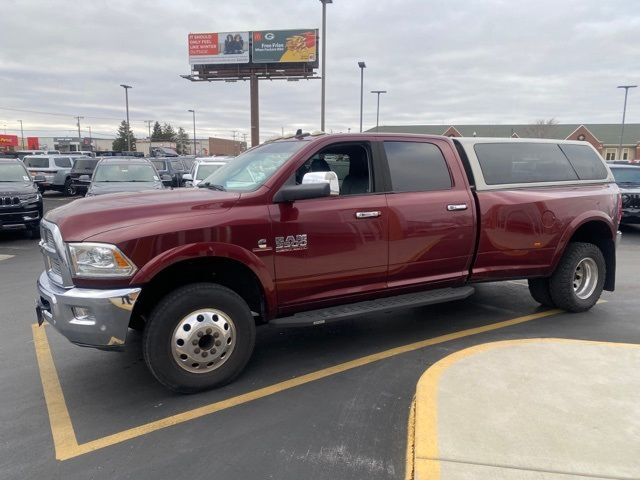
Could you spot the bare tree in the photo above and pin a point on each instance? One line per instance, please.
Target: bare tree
(543, 128)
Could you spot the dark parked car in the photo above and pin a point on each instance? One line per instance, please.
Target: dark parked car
(628, 180)
(82, 167)
(20, 200)
(113, 175)
(172, 166)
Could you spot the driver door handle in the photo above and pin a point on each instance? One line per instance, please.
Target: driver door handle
(457, 206)
(373, 214)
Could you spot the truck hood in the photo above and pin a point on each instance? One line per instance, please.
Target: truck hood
(86, 217)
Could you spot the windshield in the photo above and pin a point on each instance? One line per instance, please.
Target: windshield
(250, 170)
(125, 173)
(13, 172)
(205, 170)
(626, 175)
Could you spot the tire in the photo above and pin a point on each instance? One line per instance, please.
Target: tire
(69, 190)
(570, 288)
(539, 289)
(209, 310)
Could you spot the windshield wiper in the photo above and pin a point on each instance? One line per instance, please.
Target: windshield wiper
(212, 186)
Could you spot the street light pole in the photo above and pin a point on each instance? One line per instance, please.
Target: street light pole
(324, 60)
(624, 112)
(362, 66)
(21, 135)
(126, 99)
(79, 135)
(194, 130)
(378, 108)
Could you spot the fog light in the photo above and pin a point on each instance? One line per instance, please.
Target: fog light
(82, 313)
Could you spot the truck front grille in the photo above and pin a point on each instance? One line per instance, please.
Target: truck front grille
(634, 201)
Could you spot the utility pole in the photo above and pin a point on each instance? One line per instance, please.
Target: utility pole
(194, 131)
(324, 60)
(235, 145)
(362, 66)
(244, 139)
(148, 122)
(378, 108)
(79, 135)
(624, 113)
(21, 135)
(90, 139)
(126, 99)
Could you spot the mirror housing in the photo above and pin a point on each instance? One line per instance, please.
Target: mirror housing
(167, 181)
(187, 177)
(291, 193)
(323, 177)
(84, 178)
(39, 179)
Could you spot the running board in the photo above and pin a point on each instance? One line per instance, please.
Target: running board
(351, 310)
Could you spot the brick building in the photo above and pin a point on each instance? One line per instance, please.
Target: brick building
(605, 137)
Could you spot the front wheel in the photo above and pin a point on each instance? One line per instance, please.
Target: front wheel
(199, 336)
(577, 283)
(69, 190)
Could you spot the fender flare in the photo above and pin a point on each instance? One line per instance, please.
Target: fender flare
(212, 250)
(572, 228)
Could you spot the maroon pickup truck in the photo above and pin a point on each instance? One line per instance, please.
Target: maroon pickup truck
(318, 228)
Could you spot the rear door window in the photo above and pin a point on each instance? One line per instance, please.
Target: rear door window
(587, 163)
(509, 163)
(63, 162)
(416, 167)
(177, 165)
(33, 162)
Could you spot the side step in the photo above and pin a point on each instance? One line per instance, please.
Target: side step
(351, 310)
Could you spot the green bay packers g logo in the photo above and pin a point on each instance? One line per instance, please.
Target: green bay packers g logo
(291, 243)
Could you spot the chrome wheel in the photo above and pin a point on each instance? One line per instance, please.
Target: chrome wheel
(585, 278)
(203, 340)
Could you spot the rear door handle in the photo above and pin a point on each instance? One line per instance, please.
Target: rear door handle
(456, 206)
(373, 214)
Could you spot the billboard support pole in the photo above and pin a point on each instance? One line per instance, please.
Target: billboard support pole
(255, 115)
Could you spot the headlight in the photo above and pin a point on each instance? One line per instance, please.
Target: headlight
(99, 260)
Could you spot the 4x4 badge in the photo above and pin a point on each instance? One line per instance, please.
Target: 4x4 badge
(291, 243)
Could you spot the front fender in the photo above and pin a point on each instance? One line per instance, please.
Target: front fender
(211, 249)
(61, 177)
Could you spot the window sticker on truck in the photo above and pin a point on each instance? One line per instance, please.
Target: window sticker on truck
(291, 243)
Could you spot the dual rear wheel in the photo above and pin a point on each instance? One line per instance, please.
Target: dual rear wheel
(577, 283)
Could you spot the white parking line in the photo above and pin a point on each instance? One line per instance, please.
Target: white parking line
(6, 257)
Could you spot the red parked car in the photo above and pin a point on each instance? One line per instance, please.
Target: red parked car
(313, 229)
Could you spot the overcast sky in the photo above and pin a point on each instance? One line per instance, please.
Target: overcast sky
(452, 61)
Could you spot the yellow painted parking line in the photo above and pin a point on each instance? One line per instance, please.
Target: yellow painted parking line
(6, 257)
(425, 463)
(66, 445)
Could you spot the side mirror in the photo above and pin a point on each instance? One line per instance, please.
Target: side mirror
(187, 176)
(39, 179)
(291, 193)
(84, 178)
(166, 180)
(323, 177)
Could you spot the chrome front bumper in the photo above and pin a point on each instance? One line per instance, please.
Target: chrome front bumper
(104, 321)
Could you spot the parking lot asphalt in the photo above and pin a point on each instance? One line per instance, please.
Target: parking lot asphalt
(326, 402)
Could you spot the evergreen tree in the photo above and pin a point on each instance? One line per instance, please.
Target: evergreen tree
(182, 140)
(156, 134)
(168, 133)
(120, 143)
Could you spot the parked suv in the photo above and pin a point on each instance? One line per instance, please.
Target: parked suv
(83, 167)
(55, 169)
(113, 175)
(20, 200)
(171, 166)
(201, 169)
(628, 179)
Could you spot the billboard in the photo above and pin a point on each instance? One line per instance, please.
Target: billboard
(8, 140)
(33, 143)
(218, 48)
(284, 46)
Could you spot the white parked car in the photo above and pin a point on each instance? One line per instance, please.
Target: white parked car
(201, 169)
